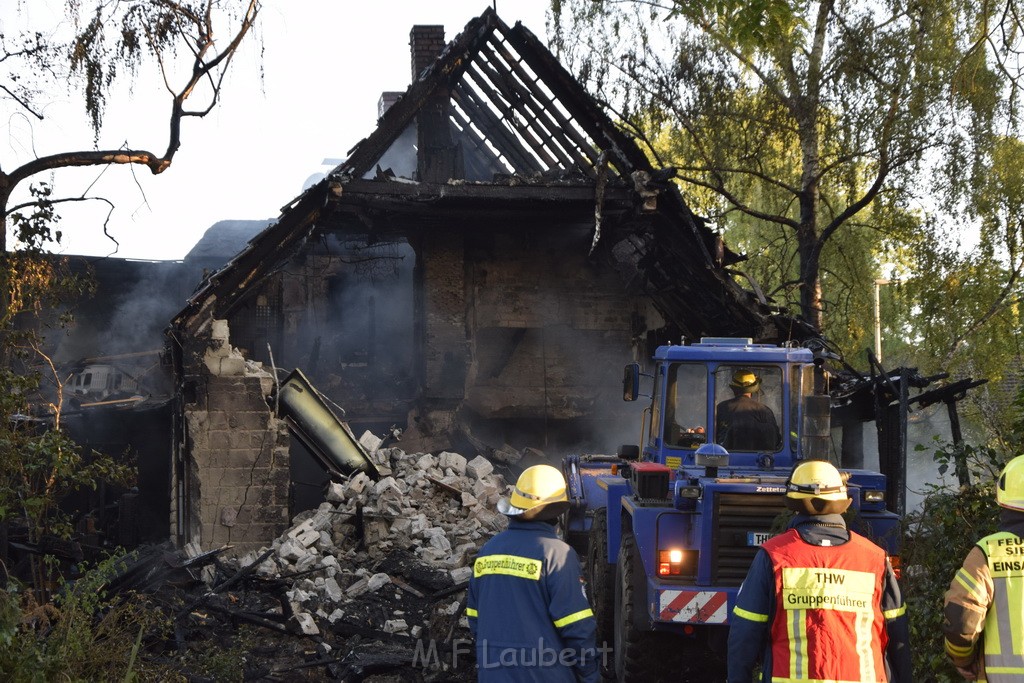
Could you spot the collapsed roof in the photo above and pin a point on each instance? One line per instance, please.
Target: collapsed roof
(495, 134)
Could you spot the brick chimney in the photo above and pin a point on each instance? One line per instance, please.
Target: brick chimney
(426, 42)
(438, 158)
(387, 99)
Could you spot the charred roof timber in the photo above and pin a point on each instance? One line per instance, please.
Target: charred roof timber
(502, 136)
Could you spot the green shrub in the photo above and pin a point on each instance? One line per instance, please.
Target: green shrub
(81, 635)
(938, 538)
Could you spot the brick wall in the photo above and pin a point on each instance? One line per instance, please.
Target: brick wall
(446, 350)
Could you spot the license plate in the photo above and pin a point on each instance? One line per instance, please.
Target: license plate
(757, 537)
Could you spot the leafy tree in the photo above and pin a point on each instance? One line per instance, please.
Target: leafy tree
(807, 126)
(39, 463)
(111, 40)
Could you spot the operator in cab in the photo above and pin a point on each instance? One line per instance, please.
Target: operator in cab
(820, 602)
(742, 422)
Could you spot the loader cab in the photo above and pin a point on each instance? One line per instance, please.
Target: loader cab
(697, 400)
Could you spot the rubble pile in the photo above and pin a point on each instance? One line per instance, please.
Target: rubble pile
(387, 557)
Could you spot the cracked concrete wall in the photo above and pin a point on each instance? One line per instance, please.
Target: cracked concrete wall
(238, 467)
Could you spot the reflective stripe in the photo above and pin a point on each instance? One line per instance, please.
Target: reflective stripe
(967, 581)
(750, 616)
(958, 651)
(509, 565)
(573, 618)
(891, 614)
(798, 658)
(862, 628)
(470, 612)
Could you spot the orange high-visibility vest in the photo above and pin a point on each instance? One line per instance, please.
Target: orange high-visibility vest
(828, 625)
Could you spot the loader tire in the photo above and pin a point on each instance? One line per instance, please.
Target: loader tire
(601, 587)
(641, 655)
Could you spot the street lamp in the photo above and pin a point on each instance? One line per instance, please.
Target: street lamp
(878, 319)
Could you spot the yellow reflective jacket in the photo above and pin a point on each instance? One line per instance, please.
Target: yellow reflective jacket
(986, 596)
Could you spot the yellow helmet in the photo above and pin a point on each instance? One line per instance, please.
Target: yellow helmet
(745, 380)
(539, 494)
(1010, 486)
(817, 488)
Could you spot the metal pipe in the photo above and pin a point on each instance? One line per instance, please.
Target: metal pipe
(878, 318)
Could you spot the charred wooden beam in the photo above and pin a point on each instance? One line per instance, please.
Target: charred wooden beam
(529, 81)
(535, 123)
(513, 149)
(469, 133)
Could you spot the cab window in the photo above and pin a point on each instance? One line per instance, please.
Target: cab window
(748, 407)
(686, 405)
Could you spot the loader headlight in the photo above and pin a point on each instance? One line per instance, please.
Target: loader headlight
(871, 496)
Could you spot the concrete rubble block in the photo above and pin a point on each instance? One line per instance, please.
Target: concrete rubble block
(441, 542)
(377, 581)
(468, 500)
(400, 527)
(433, 556)
(332, 591)
(308, 537)
(375, 531)
(300, 528)
(415, 631)
(307, 624)
(507, 454)
(460, 574)
(370, 442)
(426, 462)
(323, 517)
(330, 562)
(395, 626)
(307, 562)
(335, 615)
(356, 484)
(418, 524)
(456, 462)
(358, 588)
(335, 492)
(479, 467)
(485, 488)
(386, 484)
(291, 550)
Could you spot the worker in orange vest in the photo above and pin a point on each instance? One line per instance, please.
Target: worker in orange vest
(820, 602)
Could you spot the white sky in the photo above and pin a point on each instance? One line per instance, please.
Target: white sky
(325, 64)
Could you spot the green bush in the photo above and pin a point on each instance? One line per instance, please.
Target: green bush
(81, 635)
(938, 538)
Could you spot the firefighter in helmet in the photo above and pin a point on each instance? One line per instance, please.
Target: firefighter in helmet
(743, 423)
(986, 597)
(820, 602)
(527, 607)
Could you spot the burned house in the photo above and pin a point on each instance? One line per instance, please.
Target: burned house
(475, 273)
